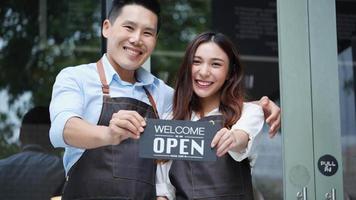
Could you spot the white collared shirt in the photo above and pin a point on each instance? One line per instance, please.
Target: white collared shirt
(251, 122)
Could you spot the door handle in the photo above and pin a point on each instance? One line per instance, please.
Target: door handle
(302, 195)
(331, 195)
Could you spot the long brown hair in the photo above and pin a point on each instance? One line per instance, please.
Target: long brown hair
(232, 92)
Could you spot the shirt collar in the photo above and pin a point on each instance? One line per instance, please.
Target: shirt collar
(215, 111)
(143, 76)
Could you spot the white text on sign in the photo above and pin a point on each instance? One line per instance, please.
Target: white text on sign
(186, 130)
(186, 146)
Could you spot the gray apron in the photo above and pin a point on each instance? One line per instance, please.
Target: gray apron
(224, 179)
(114, 172)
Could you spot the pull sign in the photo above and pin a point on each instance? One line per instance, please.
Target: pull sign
(327, 165)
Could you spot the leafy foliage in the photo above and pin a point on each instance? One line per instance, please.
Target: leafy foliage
(31, 59)
(181, 21)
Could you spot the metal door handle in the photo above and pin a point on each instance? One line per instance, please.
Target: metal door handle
(331, 195)
(302, 195)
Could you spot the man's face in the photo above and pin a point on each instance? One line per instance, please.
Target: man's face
(131, 38)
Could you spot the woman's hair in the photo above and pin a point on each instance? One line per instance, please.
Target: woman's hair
(152, 5)
(232, 91)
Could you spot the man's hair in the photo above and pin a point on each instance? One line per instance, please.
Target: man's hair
(117, 5)
(35, 128)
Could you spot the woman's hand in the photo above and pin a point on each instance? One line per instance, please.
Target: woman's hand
(272, 115)
(229, 140)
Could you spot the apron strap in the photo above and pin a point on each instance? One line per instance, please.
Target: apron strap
(104, 85)
(106, 89)
(152, 101)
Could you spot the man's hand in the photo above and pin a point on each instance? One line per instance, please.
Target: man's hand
(272, 115)
(125, 124)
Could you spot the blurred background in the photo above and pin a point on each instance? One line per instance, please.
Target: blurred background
(38, 38)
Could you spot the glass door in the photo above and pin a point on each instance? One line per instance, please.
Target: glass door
(310, 100)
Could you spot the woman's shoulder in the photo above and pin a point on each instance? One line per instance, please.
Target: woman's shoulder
(250, 106)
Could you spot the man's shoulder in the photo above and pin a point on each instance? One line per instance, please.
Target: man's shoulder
(82, 68)
(162, 84)
(82, 73)
(155, 82)
(163, 88)
(10, 159)
(32, 161)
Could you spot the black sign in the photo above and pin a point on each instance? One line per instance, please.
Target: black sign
(327, 165)
(178, 139)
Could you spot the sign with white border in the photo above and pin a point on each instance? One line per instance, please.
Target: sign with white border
(178, 139)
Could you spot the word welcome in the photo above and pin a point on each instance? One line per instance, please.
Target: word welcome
(179, 130)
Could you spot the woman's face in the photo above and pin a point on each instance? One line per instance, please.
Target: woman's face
(209, 71)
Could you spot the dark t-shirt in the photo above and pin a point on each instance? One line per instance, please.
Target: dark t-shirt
(31, 174)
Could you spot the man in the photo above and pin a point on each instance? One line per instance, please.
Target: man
(34, 173)
(98, 110)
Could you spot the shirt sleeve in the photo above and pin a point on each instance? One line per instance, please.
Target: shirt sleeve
(167, 103)
(164, 187)
(66, 102)
(251, 122)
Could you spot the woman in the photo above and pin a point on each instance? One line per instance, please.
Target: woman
(210, 86)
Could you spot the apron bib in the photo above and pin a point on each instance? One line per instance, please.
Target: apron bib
(224, 179)
(114, 172)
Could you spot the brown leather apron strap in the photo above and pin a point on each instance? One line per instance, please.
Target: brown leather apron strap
(152, 101)
(104, 85)
(106, 89)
